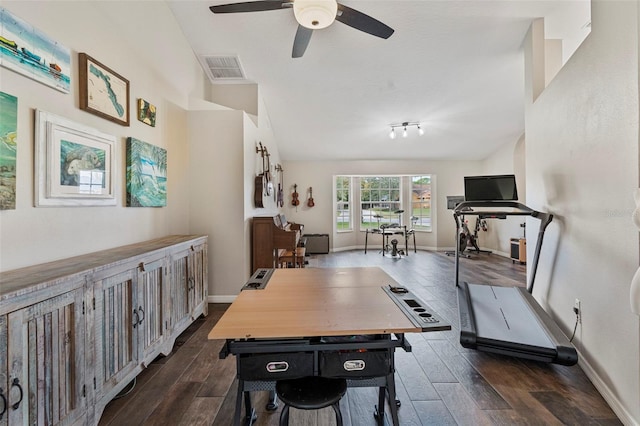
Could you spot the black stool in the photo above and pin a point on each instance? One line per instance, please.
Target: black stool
(311, 393)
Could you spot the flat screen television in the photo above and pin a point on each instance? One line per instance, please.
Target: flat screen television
(490, 188)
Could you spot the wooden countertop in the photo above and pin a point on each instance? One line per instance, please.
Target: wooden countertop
(310, 302)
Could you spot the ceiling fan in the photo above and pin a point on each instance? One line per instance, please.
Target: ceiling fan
(312, 15)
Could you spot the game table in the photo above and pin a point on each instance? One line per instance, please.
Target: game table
(332, 322)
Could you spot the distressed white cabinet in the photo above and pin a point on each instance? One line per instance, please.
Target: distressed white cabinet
(115, 346)
(42, 364)
(75, 332)
(188, 271)
(150, 309)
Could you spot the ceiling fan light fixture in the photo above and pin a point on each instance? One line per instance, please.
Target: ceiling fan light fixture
(392, 133)
(315, 14)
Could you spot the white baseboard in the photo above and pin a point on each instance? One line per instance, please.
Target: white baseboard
(617, 407)
(221, 299)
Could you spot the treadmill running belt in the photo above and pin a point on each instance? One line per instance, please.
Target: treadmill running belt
(501, 314)
(509, 321)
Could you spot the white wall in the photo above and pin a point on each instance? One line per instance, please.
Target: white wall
(582, 165)
(30, 235)
(508, 159)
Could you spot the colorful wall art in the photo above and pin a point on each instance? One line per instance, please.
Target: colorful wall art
(74, 164)
(30, 52)
(8, 150)
(146, 112)
(146, 174)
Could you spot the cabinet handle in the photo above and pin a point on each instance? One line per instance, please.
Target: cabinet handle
(16, 383)
(137, 320)
(4, 403)
(141, 319)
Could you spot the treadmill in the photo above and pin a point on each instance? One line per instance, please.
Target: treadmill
(507, 320)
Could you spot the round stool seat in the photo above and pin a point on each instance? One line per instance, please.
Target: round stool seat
(311, 393)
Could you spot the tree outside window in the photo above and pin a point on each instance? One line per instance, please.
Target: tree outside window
(421, 202)
(380, 198)
(343, 203)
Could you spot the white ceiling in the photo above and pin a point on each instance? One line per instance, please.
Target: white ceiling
(454, 66)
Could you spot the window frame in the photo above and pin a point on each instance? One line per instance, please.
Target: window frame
(348, 204)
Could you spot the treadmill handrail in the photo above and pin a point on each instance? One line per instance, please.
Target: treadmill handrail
(466, 208)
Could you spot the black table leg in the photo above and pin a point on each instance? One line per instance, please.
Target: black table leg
(272, 405)
(379, 413)
(393, 402)
(366, 239)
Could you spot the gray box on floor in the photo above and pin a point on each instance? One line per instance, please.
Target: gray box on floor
(317, 243)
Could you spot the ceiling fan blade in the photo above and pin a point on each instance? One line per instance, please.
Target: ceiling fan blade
(300, 43)
(362, 22)
(250, 6)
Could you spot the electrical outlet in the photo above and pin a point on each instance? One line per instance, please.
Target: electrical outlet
(577, 311)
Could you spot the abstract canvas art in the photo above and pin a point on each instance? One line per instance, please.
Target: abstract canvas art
(30, 52)
(146, 112)
(8, 149)
(146, 174)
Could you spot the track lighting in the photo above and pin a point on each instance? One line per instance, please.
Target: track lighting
(404, 126)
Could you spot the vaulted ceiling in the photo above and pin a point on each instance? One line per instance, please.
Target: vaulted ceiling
(456, 67)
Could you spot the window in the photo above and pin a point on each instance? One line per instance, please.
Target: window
(421, 202)
(343, 203)
(380, 198)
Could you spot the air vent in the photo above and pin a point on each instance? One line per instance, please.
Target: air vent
(222, 68)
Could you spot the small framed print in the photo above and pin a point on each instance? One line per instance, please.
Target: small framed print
(146, 112)
(103, 92)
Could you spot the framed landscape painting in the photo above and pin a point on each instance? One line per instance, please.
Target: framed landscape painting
(8, 150)
(146, 174)
(74, 164)
(29, 52)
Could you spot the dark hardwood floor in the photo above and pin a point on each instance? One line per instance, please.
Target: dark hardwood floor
(438, 383)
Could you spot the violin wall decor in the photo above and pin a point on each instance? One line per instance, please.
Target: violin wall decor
(310, 202)
(280, 197)
(295, 201)
(260, 181)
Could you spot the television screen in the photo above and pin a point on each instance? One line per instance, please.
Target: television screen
(490, 188)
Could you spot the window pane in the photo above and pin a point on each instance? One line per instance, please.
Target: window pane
(421, 202)
(343, 205)
(380, 197)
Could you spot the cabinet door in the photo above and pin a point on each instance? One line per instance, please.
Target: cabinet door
(4, 379)
(198, 273)
(115, 340)
(150, 309)
(179, 288)
(46, 361)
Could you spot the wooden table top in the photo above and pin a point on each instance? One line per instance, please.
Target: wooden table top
(311, 302)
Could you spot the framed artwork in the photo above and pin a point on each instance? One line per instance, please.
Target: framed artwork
(74, 164)
(8, 150)
(27, 51)
(146, 174)
(146, 112)
(103, 92)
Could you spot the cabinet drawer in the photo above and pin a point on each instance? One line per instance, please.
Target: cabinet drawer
(276, 366)
(355, 364)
